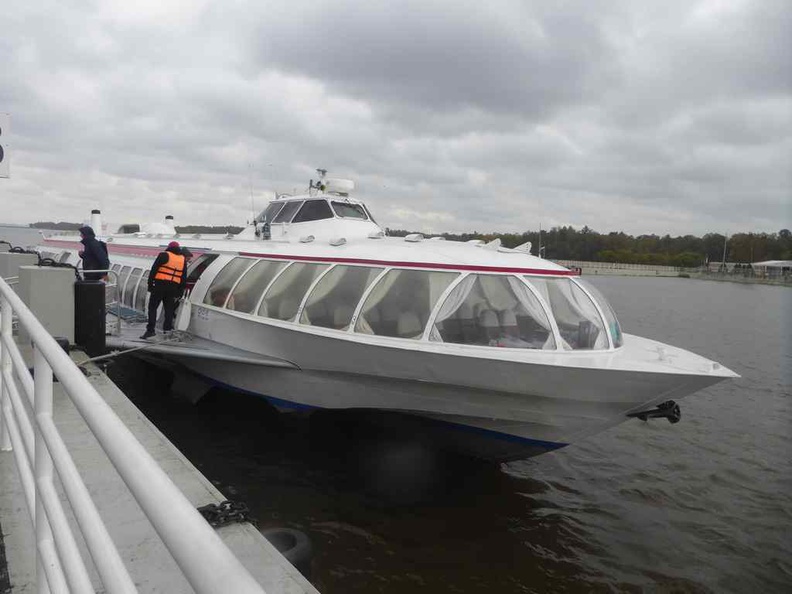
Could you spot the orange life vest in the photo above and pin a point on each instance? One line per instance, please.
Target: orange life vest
(172, 270)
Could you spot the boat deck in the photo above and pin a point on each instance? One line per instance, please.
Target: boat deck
(149, 563)
(185, 345)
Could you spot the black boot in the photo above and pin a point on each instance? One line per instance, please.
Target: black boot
(148, 334)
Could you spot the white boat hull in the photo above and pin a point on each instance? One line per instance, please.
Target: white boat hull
(530, 407)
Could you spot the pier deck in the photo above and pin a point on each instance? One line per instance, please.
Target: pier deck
(149, 563)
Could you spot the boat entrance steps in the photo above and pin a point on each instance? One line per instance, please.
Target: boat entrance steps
(77, 440)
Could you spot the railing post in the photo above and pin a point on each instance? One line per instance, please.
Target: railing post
(5, 364)
(49, 573)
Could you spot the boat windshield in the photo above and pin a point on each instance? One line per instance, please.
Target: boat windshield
(287, 212)
(313, 210)
(610, 316)
(272, 211)
(579, 322)
(349, 210)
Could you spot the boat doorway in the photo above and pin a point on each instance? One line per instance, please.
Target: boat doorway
(197, 267)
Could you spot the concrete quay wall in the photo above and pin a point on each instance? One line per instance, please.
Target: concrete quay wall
(619, 269)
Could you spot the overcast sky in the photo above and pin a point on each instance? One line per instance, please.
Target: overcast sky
(648, 117)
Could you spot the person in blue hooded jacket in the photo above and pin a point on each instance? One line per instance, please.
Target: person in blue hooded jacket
(94, 255)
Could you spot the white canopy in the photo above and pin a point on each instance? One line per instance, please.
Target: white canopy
(774, 264)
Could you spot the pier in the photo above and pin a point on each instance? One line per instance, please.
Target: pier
(93, 498)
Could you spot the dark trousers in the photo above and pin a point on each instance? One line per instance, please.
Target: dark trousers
(167, 296)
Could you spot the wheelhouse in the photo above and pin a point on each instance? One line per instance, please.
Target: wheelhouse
(315, 216)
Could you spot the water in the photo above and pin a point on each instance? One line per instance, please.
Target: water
(701, 506)
(21, 236)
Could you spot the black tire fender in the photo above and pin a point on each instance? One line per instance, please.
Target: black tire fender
(292, 544)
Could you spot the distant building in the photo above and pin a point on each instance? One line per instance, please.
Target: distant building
(773, 268)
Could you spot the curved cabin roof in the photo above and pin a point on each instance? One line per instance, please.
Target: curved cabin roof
(396, 251)
(392, 251)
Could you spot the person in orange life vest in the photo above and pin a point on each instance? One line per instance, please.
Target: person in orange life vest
(166, 283)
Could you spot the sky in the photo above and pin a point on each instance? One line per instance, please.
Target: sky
(623, 115)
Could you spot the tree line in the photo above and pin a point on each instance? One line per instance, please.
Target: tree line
(688, 251)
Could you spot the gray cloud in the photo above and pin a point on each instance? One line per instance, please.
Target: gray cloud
(646, 117)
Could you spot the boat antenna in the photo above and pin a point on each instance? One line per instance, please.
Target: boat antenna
(725, 239)
(250, 185)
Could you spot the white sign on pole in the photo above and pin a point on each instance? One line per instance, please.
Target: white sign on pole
(5, 121)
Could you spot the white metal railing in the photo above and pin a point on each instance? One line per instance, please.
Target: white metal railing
(28, 429)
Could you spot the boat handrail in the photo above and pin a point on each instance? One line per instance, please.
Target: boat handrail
(38, 447)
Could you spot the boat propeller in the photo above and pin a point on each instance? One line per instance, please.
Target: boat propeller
(667, 410)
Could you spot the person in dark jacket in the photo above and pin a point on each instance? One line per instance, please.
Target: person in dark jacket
(94, 255)
(166, 284)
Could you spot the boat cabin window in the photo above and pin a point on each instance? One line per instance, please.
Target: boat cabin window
(142, 292)
(493, 310)
(115, 267)
(123, 277)
(287, 212)
(332, 302)
(283, 298)
(313, 210)
(578, 321)
(610, 316)
(349, 210)
(196, 268)
(249, 289)
(400, 303)
(64, 257)
(129, 290)
(224, 281)
(272, 211)
(130, 228)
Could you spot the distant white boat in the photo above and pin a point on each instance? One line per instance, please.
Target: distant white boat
(490, 350)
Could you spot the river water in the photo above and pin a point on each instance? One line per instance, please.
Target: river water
(701, 506)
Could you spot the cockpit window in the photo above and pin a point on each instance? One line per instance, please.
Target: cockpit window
(349, 210)
(272, 211)
(287, 212)
(313, 210)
